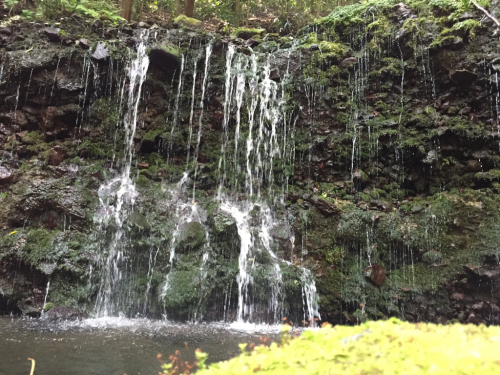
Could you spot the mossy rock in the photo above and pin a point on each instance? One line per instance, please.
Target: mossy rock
(186, 21)
(221, 223)
(32, 138)
(48, 306)
(244, 33)
(432, 257)
(137, 222)
(192, 236)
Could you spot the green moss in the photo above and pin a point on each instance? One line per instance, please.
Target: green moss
(38, 245)
(32, 138)
(173, 50)
(371, 348)
(492, 174)
(187, 21)
(192, 236)
(48, 306)
(245, 33)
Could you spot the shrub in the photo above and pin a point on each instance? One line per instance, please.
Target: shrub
(381, 347)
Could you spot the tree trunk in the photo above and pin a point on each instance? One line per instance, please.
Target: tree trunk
(237, 11)
(189, 8)
(126, 9)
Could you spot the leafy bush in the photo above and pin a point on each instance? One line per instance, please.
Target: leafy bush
(382, 347)
(48, 9)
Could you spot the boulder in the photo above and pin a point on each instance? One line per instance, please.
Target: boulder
(245, 34)
(53, 33)
(101, 52)
(349, 62)
(165, 56)
(138, 222)
(56, 155)
(184, 21)
(6, 175)
(325, 207)
(36, 59)
(376, 274)
(221, 223)
(192, 236)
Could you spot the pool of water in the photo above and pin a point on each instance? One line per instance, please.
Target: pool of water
(114, 346)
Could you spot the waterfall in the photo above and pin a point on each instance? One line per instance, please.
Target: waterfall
(250, 90)
(122, 187)
(45, 298)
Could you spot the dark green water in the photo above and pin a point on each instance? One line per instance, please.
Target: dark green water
(112, 346)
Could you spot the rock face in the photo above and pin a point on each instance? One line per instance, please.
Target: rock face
(388, 153)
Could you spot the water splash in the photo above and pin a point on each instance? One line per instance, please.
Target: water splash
(122, 188)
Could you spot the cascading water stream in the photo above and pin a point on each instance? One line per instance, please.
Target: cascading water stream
(122, 187)
(250, 90)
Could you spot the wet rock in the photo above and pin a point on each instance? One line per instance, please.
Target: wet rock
(466, 16)
(39, 195)
(53, 33)
(84, 43)
(17, 118)
(6, 175)
(243, 33)
(64, 313)
(463, 76)
(221, 223)
(474, 318)
(69, 83)
(457, 296)
(47, 268)
(454, 44)
(325, 207)
(165, 56)
(479, 306)
(349, 62)
(192, 236)
(57, 155)
(402, 11)
(101, 52)
(252, 42)
(375, 273)
(138, 222)
(6, 30)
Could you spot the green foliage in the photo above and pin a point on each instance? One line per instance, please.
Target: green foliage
(98, 9)
(383, 347)
(48, 306)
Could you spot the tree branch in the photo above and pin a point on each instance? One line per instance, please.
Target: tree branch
(489, 15)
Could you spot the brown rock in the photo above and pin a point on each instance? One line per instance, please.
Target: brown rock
(202, 158)
(478, 306)
(6, 175)
(56, 155)
(143, 166)
(375, 273)
(458, 296)
(349, 62)
(53, 33)
(324, 206)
